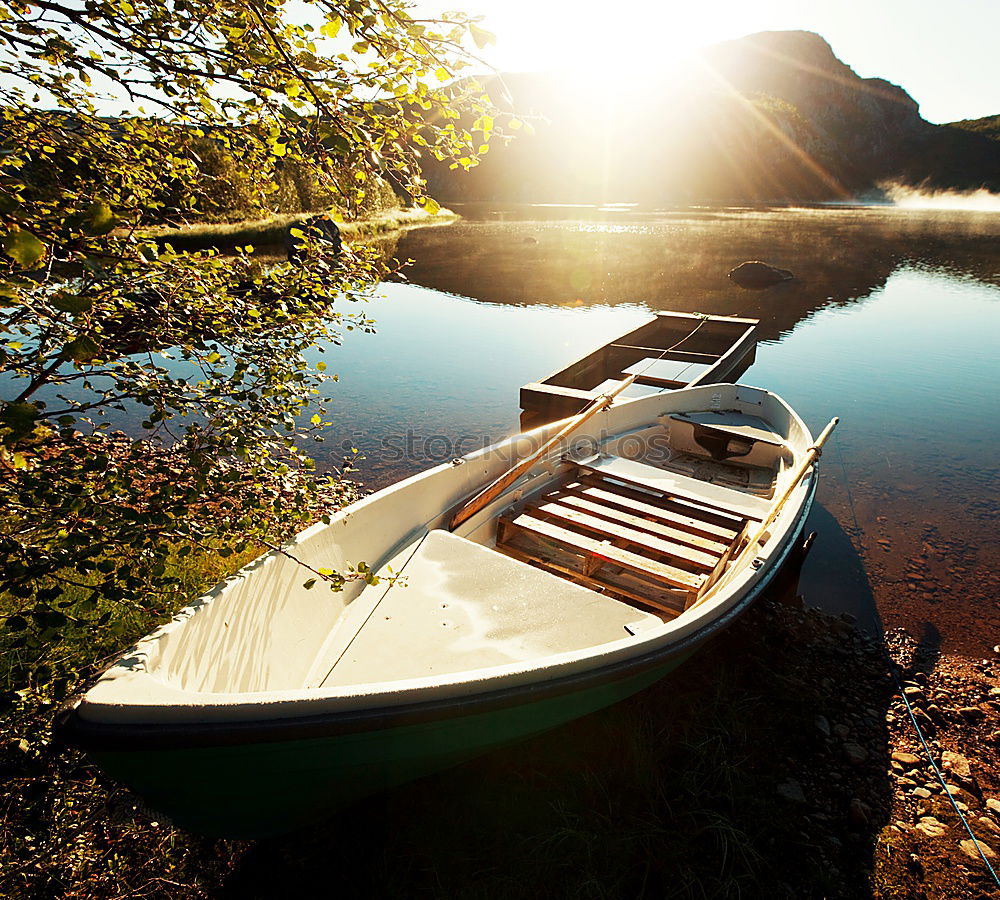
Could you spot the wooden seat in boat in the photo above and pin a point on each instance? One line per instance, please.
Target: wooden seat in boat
(725, 500)
(732, 423)
(670, 373)
(725, 435)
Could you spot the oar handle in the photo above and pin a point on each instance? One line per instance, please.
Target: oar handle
(825, 433)
(812, 453)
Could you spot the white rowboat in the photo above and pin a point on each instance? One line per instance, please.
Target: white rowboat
(265, 704)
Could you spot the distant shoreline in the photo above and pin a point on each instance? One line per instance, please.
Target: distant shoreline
(271, 231)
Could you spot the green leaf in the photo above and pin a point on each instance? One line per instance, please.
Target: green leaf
(337, 143)
(98, 219)
(331, 29)
(16, 623)
(8, 203)
(81, 349)
(481, 36)
(71, 303)
(20, 418)
(24, 248)
(431, 205)
(308, 585)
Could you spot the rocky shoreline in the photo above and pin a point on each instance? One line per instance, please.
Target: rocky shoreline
(956, 703)
(869, 784)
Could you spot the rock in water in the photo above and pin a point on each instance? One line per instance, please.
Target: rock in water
(756, 274)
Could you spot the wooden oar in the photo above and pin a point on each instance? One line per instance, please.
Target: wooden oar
(810, 458)
(508, 478)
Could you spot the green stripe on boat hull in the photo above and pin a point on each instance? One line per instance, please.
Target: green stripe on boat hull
(266, 788)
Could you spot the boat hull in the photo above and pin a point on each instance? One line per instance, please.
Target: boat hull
(268, 787)
(724, 348)
(292, 774)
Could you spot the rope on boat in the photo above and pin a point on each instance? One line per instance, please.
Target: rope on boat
(894, 671)
(703, 318)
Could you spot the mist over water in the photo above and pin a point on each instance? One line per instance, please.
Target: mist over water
(905, 197)
(891, 322)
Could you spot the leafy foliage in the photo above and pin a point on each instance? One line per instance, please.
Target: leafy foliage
(97, 324)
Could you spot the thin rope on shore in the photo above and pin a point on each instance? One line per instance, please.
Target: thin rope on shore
(894, 671)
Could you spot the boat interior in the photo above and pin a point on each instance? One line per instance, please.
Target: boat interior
(645, 539)
(609, 544)
(670, 351)
(696, 347)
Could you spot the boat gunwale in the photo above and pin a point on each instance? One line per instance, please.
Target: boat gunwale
(73, 729)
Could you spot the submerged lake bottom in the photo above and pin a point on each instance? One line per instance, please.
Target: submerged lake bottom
(892, 323)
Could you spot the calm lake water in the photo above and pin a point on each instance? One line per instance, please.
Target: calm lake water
(892, 323)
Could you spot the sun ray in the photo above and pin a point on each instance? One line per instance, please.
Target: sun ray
(798, 152)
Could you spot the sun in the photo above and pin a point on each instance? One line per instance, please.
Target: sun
(618, 42)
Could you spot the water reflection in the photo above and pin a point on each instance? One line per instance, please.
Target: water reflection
(679, 260)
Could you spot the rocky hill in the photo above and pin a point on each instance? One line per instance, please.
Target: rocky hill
(988, 125)
(773, 116)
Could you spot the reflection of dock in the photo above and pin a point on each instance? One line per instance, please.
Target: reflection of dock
(670, 350)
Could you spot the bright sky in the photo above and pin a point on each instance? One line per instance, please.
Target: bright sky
(942, 52)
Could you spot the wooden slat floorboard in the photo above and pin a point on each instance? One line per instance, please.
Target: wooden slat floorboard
(608, 552)
(708, 522)
(567, 516)
(599, 582)
(690, 496)
(590, 500)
